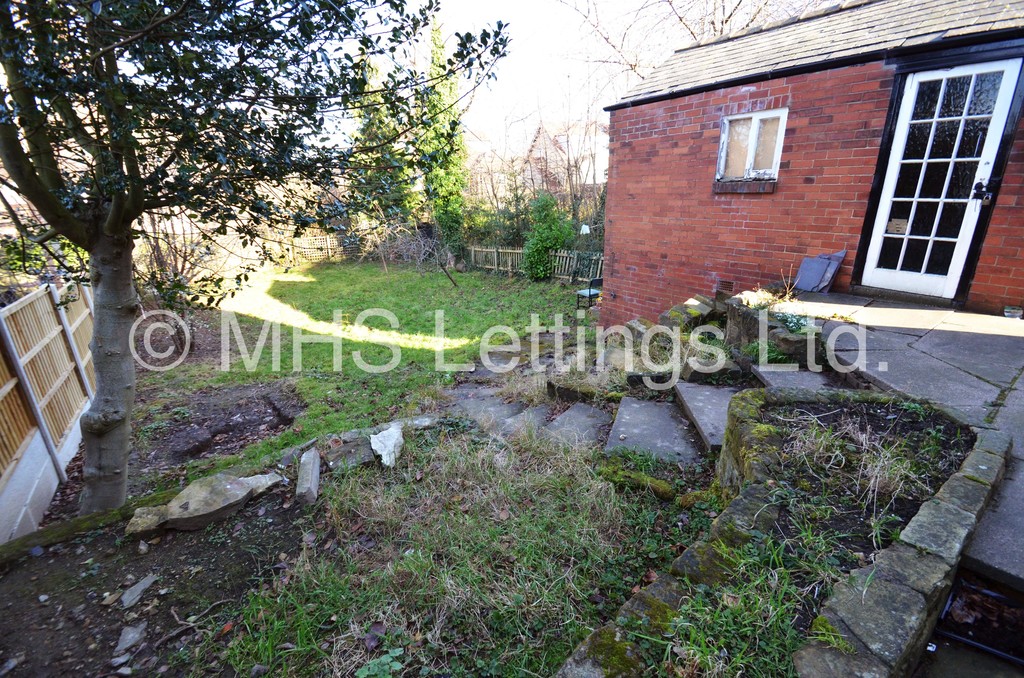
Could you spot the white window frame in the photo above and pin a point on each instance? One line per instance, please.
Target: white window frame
(755, 132)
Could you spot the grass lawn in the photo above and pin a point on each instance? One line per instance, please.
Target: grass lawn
(471, 557)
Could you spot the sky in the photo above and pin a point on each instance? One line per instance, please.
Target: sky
(551, 73)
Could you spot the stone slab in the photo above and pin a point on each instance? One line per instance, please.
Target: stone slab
(488, 411)
(1011, 418)
(707, 407)
(533, 418)
(307, 486)
(997, 550)
(801, 378)
(900, 317)
(992, 357)
(653, 427)
(579, 425)
(851, 337)
(924, 376)
(940, 529)
(984, 467)
(887, 617)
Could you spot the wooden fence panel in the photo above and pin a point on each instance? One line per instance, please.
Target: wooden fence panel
(46, 357)
(79, 316)
(566, 263)
(16, 426)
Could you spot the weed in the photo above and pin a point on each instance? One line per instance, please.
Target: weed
(384, 666)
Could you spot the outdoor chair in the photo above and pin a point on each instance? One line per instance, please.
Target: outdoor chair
(590, 294)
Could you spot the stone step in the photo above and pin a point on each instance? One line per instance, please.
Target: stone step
(579, 425)
(487, 410)
(801, 378)
(996, 550)
(706, 406)
(532, 418)
(657, 428)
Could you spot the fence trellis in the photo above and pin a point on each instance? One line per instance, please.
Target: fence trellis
(46, 380)
(568, 264)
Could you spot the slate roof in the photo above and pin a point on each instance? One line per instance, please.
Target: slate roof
(856, 31)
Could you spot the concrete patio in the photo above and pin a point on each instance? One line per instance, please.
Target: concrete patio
(968, 361)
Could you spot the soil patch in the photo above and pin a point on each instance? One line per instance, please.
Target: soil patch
(855, 474)
(171, 430)
(53, 621)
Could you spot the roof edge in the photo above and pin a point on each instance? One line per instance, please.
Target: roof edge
(829, 64)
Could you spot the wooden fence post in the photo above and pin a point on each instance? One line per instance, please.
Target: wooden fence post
(30, 396)
(70, 337)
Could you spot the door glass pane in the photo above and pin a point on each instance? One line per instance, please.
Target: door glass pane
(986, 89)
(764, 154)
(736, 148)
(927, 99)
(940, 258)
(934, 179)
(906, 183)
(945, 139)
(913, 258)
(955, 97)
(951, 220)
(899, 217)
(917, 141)
(962, 183)
(889, 257)
(924, 218)
(973, 141)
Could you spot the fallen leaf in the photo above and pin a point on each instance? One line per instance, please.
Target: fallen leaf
(504, 515)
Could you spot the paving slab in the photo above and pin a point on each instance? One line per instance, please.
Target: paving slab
(791, 379)
(1011, 419)
(996, 358)
(531, 418)
(489, 412)
(850, 337)
(900, 317)
(653, 427)
(921, 375)
(707, 407)
(579, 425)
(996, 550)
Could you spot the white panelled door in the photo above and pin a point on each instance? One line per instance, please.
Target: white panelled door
(947, 134)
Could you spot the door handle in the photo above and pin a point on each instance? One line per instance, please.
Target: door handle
(982, 193)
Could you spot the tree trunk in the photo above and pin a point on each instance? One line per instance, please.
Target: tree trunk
(106, 426)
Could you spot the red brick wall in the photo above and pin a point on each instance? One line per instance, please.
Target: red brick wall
(999, 280)
(668, 236)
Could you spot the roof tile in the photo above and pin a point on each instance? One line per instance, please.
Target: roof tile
(855, 28)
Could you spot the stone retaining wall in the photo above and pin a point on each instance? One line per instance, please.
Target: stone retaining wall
(882, 614)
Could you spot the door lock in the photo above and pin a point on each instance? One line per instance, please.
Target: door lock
(982, 193)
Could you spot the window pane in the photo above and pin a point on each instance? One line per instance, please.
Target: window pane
(934, 179)
(889, 257)
(917, 141)
(961, 185)
(955, 97)
(913, 259)
(906, 183)
(736, 149)
(924, 218)
(951, 220)
(927, 98)
(945, 139)
(986, 89)
(764, 155)
(973, 141)
(940, 258)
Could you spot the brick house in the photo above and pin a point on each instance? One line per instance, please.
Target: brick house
(888, 128)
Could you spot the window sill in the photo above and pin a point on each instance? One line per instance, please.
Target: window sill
(758, 186)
